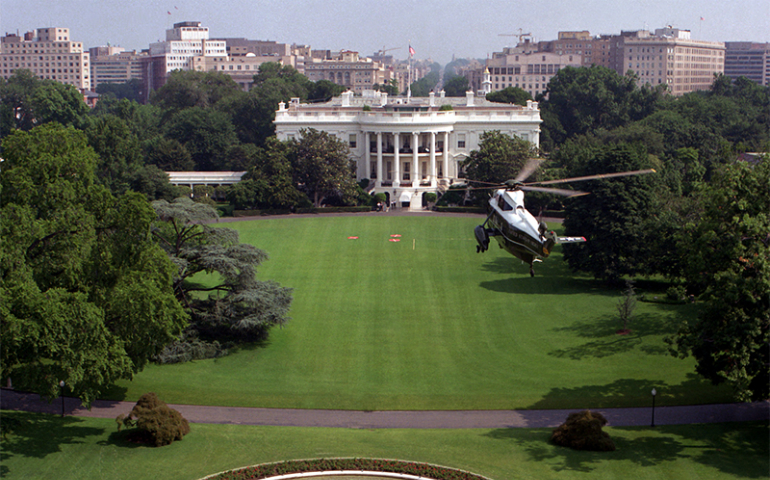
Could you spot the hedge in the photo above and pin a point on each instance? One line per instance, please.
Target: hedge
(351, 464)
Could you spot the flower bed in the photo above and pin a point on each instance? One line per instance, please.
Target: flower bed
(267, 470)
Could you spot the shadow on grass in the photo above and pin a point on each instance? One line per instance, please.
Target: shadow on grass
(38, 435)
(609, 342)
(634, 393)
(551, 277)
(735, 449)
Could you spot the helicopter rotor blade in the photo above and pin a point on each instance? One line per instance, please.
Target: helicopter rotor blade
(594, 177)
(557, 191)
(529, 168)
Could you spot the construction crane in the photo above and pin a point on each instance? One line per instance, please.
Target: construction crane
(520, 35)
(381, 53)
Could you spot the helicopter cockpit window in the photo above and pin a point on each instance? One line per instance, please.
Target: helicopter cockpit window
(505, 205)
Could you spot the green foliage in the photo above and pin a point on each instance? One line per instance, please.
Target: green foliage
(615, 217)
(156, 423)
(86, 296)
(238, 306)
(446, 108)
(729, 261)
(186, 89)
(456, 86)
(321, 168)
(513, 95)
(423, 86)
(500, 157)
(205, 133)
(627, 304)
(130, 90)
(583, 431)
(582, 100)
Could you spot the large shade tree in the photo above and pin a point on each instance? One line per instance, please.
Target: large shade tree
(85, 295)
(321, 166)
(728, 258)
(233, 304)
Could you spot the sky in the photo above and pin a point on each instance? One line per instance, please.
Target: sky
(437, 30)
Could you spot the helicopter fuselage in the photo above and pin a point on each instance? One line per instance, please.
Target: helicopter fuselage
(515, 229)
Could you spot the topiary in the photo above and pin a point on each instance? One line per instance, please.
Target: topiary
(583, 431)
(156, 422)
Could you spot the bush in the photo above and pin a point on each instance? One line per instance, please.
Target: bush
(583, 431)
(156, 423)
(677, 293)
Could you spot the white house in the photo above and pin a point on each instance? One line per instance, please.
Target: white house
(409, 146)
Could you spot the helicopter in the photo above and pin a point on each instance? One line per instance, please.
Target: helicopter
(516, 230)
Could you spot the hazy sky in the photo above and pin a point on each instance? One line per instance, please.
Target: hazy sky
(436, 29)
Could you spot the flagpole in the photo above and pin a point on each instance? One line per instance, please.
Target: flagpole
(409, 76)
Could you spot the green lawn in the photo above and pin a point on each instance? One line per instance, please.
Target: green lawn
(84, 449)
(426, 323)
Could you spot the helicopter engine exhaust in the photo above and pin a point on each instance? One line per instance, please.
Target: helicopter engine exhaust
(482, 238)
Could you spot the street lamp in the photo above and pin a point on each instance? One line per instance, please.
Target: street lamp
(654, 392)
(61, 393)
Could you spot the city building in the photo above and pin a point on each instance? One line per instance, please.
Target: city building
(47, 53)
(671, 57)
(525, 66)
(408, 147)
(748, 59)
(666, 57)
(114, 65)
(184, 42)
(346, 69)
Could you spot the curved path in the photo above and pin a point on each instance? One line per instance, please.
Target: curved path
(619, 417)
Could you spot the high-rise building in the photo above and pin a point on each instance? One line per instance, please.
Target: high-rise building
(47, 53)
(114, 65)
(748, 59)
(671, 57)
(184, 42)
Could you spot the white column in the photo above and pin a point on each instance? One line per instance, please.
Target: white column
(415, 160)
(432, 172)
(396, 160)
(445, 160)
(367, 157)
(378, 183)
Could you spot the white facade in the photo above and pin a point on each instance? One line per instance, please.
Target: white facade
(184, 42)
(407, 148)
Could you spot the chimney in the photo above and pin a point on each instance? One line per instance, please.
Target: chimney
(469, 98)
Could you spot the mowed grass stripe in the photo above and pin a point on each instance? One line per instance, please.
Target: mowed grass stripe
(426, 323)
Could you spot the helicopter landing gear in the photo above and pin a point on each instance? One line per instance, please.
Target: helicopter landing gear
(482, 238)
(531, 271)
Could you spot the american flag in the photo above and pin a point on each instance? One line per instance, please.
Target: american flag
(411, 51)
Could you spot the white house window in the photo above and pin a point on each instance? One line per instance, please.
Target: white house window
(352, 140)
(461, 140)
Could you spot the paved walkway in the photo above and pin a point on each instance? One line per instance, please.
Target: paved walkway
(619, 417)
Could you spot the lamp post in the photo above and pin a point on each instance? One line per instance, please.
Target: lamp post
(654, 392)
(61, 393)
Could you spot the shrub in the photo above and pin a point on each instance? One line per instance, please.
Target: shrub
(677, 293)
(445, 108)
(583, 431)
(156, 423)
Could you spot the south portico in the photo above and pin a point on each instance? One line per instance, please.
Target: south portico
(408, 146)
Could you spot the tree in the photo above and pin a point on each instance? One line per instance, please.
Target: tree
(456, 87)
(156, 423)
(205, 133)
(323, 91)
(500, 157)
(120, 155)
(85, 295)
(321, 166)
(729, 260)
(513, 95)
(581, 100)
(186, 89)
(615, 217)
(235, 304)
(130, 90)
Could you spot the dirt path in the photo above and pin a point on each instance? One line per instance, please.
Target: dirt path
(738, 412)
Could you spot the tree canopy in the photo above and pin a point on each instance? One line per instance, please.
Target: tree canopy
(321, 166)
(729, 260)
(86, 295)
(236, 304)
(499, 158)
